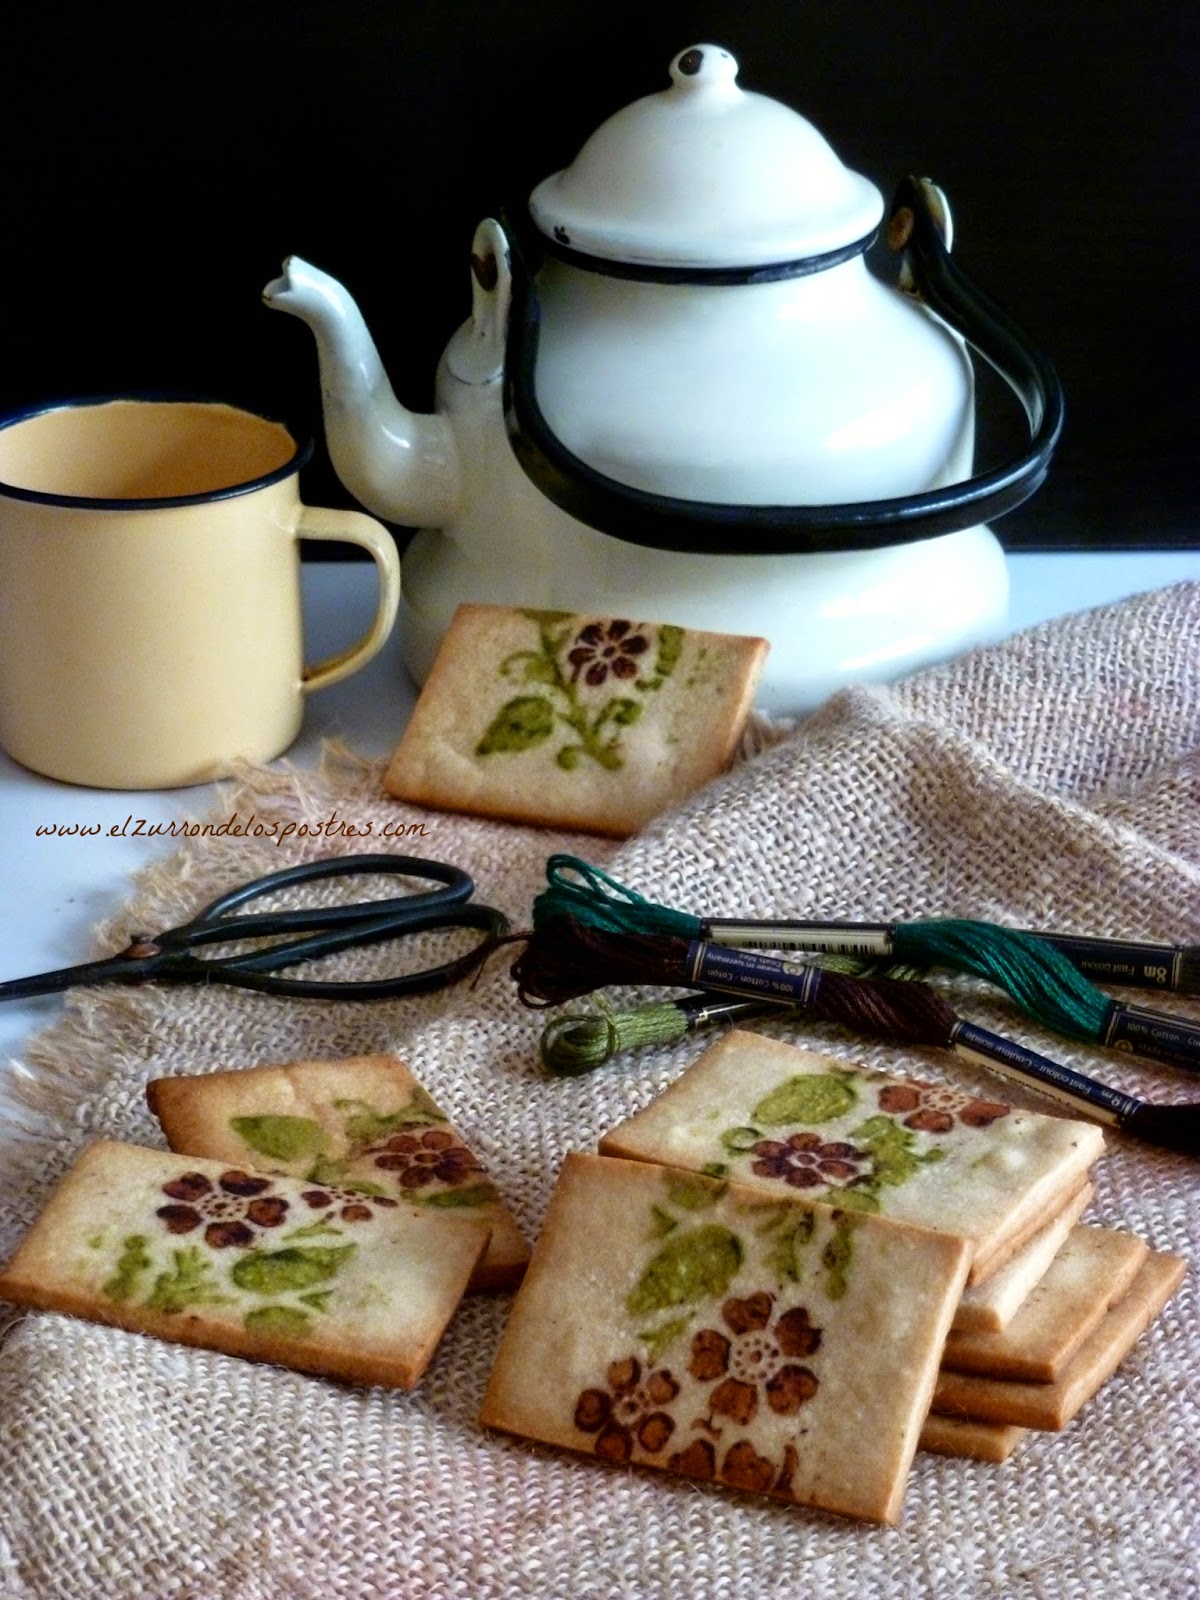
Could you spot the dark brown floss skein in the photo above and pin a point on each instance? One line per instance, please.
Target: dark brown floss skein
(884, 1008)
(567, 958)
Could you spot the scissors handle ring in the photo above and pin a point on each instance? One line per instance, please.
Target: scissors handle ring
(494, 922)
(214, 924)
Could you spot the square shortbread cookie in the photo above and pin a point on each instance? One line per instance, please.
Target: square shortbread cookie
(349, 1128)
(204, 1254)
(1093, 1269)
(573, 721)
(789, 1121)
(975, 1441)
(1053, 1405)
(991, 1306)
(671, 1321)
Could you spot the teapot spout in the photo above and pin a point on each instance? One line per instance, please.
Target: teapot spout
(401, 466)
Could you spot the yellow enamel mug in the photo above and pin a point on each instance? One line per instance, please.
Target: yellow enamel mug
(150, 626)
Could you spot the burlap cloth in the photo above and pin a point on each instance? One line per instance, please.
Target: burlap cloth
(1048, 781)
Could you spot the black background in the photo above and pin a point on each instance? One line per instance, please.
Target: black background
(158, 166)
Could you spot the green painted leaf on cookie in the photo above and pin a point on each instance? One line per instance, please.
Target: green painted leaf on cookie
(624, 712)
(539, 669)
(366, 1125)
(739, 1139)
(608, 756)
(696, 1265)
(861, 1198)
(474, 1194)
(893, 1151)
(190, 1282)
(536, 614)
(133, 1263)
(325, 1170)
(787, 1234)
(659, 1340)
(837, 1255)
(298, 1267)
(691, 1192)
(521, 723)
(287, 1321)
(814, 1097)
(322, 1228)
(670, 648)
(280, 1138)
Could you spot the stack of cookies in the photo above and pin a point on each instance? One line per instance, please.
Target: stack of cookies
(1050, 1306)
(325, 1216)
(785, 1275)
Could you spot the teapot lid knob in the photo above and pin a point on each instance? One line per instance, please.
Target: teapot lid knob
(703, 66)
(705, 175)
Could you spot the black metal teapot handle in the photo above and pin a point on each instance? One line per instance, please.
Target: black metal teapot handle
(915, 226)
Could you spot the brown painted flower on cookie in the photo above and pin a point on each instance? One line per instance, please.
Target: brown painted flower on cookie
(604, 648)
(630, 1410)
(805, 1161)
(754, 1361)
(351, 1204)
(742, 1467)
(932, 1108)
(233, 1208)
(419, 1159)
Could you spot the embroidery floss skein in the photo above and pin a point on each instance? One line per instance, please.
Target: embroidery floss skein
(579, 1043)
(582, 1041)
(565, 958)
(1030, 968)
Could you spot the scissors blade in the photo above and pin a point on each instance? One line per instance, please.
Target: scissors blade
(126, 967)
(372, 930)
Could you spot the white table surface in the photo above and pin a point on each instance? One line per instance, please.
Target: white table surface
(54, 889)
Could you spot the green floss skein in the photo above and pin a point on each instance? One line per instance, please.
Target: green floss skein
(1042, 981)
(1037, 976)
(582, 1041)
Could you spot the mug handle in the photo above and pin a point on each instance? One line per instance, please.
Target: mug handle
(353, 527)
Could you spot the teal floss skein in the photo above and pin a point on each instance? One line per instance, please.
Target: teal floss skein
(1038, 977)
(603, 903)
(1042, 981)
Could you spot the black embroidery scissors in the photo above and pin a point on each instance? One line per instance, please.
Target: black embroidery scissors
(170, 956)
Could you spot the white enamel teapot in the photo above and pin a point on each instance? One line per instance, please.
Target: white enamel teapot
(681, 396)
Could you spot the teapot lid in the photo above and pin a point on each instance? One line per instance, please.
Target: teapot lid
(705, 175)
